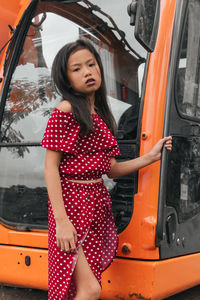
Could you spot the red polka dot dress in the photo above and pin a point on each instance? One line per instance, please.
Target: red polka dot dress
(88, 205)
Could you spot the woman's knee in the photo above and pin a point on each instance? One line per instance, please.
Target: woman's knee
(90, 292)
(95, 291)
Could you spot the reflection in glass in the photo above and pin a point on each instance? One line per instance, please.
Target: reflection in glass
(183, 179)
(188, 80)
(23, 195)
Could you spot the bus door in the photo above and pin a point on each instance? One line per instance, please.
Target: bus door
(179, 203)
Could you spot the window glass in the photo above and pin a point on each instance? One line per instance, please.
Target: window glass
(23, 195)
(183, 180)
(31, 96)
(188, 76)
(146, 23)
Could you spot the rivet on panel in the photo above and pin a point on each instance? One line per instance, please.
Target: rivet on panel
(145, 135)
(126, 248)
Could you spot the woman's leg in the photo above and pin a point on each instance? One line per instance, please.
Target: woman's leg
(87, 286)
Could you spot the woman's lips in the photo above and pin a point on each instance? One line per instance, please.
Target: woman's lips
(90, 81)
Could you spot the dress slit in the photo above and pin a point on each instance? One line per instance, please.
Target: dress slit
(96, 234)
(71, 292)
(88, 267)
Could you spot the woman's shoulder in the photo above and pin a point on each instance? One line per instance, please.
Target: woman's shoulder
(64, 106)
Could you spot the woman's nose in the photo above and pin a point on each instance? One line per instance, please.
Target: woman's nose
(87, 71)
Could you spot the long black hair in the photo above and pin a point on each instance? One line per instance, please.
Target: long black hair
(79, 101)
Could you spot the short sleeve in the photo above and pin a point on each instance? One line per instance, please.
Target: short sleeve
(61, 133)
(114, 151)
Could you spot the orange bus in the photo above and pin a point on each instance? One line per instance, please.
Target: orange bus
(151, 58)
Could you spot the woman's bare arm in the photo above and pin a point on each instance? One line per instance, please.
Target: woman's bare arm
(127, 167)
(52, 178)
(66, 235)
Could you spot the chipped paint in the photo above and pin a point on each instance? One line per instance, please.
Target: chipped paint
(138, 296)
(132, 296)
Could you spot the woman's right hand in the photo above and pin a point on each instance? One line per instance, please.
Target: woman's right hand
(66, 235)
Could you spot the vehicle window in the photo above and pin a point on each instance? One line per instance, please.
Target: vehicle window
(23, 195)
(183, 180)
(188, 76)
(147, 19)
(31, 99)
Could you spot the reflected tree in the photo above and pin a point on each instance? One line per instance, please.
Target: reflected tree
(31, 87)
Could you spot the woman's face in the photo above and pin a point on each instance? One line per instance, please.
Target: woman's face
(83, 72)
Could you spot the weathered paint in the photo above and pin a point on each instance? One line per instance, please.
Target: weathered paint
(153, 280)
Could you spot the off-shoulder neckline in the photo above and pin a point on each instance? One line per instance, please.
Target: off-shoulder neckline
(69, 112)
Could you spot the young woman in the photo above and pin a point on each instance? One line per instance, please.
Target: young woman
(80, 149)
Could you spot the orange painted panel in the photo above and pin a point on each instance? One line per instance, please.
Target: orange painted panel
(140, 233)
(9, 11)
(155, 280)
(14, 271)
(38, 239)
(10, 14)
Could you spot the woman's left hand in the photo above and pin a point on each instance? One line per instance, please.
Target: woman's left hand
(155, 152)
(123, 168)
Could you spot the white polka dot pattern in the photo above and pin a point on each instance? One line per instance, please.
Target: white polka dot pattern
(87, 205)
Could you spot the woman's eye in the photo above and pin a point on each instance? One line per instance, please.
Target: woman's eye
(91, 65)
(76, 70)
